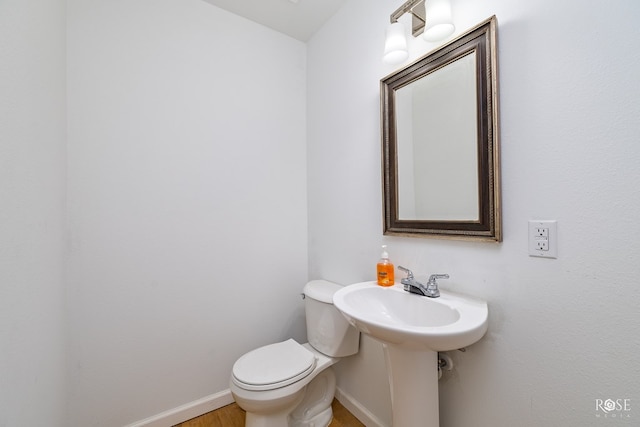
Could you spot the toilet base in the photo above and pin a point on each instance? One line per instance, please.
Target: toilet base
(309, 407)
(323, 419)
(268, 413)
(273, 419)
(315, 409)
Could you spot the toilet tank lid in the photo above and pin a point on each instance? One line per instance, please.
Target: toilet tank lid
(321, 290)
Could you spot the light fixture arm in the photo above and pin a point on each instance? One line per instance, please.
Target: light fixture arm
(417, 10)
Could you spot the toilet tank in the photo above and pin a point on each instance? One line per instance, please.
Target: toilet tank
(327, 329)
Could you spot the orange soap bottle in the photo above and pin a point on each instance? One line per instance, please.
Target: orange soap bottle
(385, 269)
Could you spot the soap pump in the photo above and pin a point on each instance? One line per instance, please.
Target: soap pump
(385, 269)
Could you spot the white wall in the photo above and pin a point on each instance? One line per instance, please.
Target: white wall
(187, 206)
(187, 201)
(32, 164)
(562, 332)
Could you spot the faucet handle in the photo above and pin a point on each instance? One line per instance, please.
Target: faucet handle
(406, 270)
(432, 285)
(434, 277)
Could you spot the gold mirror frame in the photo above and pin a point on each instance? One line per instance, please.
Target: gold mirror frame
(482, 41)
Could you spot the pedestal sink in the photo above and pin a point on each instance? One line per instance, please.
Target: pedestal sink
(413, 329)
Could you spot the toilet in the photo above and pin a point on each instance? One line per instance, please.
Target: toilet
(291, 384)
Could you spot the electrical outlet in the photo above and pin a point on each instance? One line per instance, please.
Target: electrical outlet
(542, 232)
(542, 245)
(543, 236)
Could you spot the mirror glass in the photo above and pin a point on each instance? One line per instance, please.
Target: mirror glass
(436, 120)
(440, 153)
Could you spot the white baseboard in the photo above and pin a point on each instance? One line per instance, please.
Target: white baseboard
(215, 401)
(187, 411)
(359, 411)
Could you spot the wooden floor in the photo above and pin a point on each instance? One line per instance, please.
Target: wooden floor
(233, 416)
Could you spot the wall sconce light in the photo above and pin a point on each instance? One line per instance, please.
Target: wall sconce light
(431, 18)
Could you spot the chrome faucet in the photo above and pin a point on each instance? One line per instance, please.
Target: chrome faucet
(412, 285)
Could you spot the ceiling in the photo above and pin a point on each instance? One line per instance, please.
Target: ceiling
(299, 19)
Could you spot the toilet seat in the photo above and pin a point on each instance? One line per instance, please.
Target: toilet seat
(273, 366)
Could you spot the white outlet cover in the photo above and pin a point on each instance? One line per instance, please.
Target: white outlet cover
(534, 236)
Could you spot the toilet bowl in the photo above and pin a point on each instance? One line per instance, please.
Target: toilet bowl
(291, 384)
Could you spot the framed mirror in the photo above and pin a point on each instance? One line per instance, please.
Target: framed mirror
(441, 168)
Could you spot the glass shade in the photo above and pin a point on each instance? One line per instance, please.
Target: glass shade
(439, 21)
(395, 45)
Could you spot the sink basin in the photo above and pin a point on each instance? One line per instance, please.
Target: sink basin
(413, 329)
(395, 316)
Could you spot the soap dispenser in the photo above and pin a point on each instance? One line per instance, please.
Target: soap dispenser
(385, 269)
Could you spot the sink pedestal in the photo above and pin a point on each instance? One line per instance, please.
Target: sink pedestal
(413, 377)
